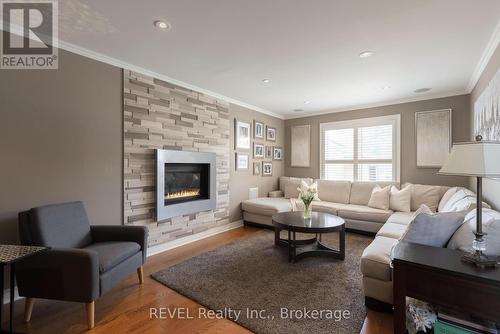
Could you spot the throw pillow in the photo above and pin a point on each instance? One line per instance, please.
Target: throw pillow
(463, 237)
(434, 229)
(422, 209)
(446, 197)
(424, 194)
(291, 190)
(380, 198)
(400, 200)
(462, 200)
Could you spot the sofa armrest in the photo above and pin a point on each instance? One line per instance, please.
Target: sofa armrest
(139, 234)
(69, 274)
(276, 193)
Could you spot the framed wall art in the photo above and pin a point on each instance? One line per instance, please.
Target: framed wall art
(258, 130)
(267, 168)
(487, 111)
(270, 133)
(256, 168)
(433, 137)
(241, 161)
(258, 150)
(269, 152)
(300, 146)
(241, 135)
(277, 153)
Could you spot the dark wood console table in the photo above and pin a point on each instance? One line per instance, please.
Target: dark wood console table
(438, 276)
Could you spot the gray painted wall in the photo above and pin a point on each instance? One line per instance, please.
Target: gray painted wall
(61, 140)
(241, 181)
(409, 171)
(491, 188)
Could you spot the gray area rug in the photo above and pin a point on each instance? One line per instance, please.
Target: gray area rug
(251, 276)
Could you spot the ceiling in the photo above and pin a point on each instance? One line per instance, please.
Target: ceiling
(308, 49)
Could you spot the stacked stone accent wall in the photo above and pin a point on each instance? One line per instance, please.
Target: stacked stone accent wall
(161, 115)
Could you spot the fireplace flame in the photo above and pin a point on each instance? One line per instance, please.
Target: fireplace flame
(183, 193)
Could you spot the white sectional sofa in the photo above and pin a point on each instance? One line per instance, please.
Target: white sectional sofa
(349, 200)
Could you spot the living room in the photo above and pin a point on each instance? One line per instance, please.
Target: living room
(234, 166)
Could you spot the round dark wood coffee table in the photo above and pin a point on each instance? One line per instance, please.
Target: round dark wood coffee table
(318, 224)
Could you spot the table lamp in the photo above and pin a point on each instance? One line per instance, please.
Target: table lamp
(479, 159)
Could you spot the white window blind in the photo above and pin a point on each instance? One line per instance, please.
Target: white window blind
(361, 150)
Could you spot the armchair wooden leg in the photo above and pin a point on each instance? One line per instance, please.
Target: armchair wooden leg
(90, 314)
(140, 274)
(28, 308)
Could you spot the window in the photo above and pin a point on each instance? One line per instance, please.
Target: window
(361, 150)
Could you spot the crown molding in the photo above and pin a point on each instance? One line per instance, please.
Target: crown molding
(490, 48)
(125, 65)
(60, 44)
(485, 58)
(379, 104)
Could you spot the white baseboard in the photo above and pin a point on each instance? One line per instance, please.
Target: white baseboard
(163, 247)
(192, 238)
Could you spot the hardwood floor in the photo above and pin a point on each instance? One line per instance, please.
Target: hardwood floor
(126, 308)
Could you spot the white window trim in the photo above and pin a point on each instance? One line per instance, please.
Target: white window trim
(357, 123)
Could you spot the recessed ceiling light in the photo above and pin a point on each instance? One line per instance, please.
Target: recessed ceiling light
(266, 81)
(298, 110)
(161, 24)
(422, 90)
(366, 54)
(307, 102)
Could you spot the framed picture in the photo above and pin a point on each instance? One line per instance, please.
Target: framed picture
(241, 161)
(300, 148)
(487, 111)
(270, 133)
(258, 150)
(256, 168)
(433, 137)
(277, 153)
(269, 152)
(241, 135)
(258, 130)
(267, 168)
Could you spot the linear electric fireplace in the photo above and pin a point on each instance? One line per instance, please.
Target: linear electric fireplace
(185, 183)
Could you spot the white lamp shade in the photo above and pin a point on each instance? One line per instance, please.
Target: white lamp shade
(473, 159)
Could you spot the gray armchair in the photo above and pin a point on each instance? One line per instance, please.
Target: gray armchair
(84, 261)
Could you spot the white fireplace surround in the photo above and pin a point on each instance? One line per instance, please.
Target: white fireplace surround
(163, 157)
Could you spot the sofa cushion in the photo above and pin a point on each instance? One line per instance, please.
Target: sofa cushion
(391, 230)
(425, 194)
(464, 236)
(376, 258)
(289, 185)
(112, 253)
(434, 229)
(362, 212)
(446, 197)
(60, 225)
(334, 191)
(362, 191)
(327, 207)
(380, 198)
(462, 200)
(291, 191)
(402, 218)
(400, 200)
(267, 206)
